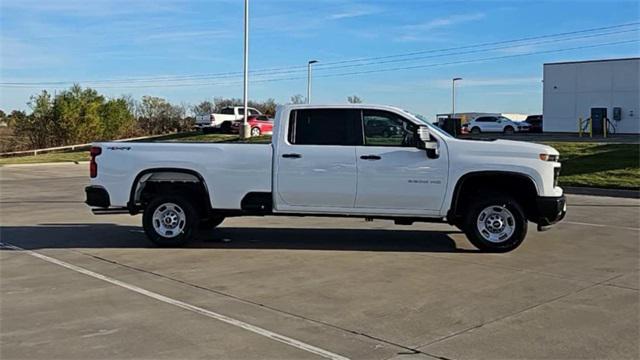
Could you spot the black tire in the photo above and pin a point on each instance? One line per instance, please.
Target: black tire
(225, 127)
(207, 130)
(509, 130)
(478, 207)
(211, 223)
(475, 130)
(188, 228)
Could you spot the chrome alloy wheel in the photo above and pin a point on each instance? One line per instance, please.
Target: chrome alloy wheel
(169, 220)
(496, 224)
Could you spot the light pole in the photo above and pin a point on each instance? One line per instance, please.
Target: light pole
(309, 80)
(453, 96)
(246, 132)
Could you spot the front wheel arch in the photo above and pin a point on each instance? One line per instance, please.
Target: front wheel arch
(522, 186)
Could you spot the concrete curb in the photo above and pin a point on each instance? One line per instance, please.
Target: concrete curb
(46, 164)
(619, 193)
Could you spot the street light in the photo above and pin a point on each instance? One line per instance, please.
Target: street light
(245, 131)
(453, 96)
(309, 80)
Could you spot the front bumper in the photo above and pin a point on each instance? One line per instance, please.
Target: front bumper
(97, 196)
(550, 210)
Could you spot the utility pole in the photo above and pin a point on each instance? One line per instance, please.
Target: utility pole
(309, 79)
(245, 131)
(453, 96)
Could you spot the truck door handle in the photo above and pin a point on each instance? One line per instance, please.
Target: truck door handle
(370, 157)
(291, 156)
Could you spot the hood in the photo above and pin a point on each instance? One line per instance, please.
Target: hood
(508, 148)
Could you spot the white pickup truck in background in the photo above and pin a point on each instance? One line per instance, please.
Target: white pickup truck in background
(224, 119)
(332, 160)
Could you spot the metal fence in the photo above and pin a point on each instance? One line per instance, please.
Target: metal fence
(69, 147)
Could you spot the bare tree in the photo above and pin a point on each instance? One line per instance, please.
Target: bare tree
(354, 99)
(204, 108)
(298, 99)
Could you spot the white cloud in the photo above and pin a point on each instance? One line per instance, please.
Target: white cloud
(95, 8)
(445, 21)
(17, 54)
(356, 11)
(179, 35)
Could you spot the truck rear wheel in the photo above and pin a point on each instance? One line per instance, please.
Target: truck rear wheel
(170, 220)
(495, 223)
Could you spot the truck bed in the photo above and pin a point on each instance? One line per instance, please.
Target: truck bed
(232, 169)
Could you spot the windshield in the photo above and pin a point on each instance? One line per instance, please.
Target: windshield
(424, 121)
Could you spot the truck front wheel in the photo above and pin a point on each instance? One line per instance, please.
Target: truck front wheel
(495, 223)
(170, 220)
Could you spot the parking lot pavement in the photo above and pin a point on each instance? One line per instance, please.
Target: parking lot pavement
(279, 287)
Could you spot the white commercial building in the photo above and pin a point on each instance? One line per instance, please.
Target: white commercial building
(592, 89)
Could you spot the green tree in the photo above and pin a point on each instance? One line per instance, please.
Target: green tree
(38, 128)
(77, 113)
(117, 121)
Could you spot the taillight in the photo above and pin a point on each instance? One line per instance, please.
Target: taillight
(93, 166)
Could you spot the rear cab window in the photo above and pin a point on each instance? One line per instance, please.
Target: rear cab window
(340, 127)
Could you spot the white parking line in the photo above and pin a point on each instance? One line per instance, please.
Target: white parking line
(600, 225)
(255, 329)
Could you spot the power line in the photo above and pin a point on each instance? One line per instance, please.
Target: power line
(369, 60)
(493, 58)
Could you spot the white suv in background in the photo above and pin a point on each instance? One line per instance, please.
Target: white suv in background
(495, 124)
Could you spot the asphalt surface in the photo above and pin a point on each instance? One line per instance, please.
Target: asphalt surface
(93, 287)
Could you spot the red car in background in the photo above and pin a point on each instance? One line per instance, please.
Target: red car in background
(260, 125)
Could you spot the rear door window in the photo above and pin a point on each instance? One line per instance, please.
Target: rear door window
(325, 127)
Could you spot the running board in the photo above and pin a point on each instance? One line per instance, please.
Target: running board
(110, 211)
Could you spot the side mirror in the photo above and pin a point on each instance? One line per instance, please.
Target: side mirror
(424, 142)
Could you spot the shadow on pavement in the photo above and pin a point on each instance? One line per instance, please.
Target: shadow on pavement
(51, 236)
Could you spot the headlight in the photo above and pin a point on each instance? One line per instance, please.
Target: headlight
(547, 157)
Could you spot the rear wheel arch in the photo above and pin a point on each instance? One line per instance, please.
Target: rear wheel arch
(521, 186)
(189, 183)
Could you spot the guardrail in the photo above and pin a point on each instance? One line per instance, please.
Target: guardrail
(70, 147)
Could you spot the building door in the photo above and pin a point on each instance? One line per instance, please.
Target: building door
(597, 120)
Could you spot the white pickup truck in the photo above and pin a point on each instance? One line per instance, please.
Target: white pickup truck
(224, 119)
(333, 160)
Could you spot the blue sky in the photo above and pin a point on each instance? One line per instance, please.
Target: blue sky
(156, 40)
